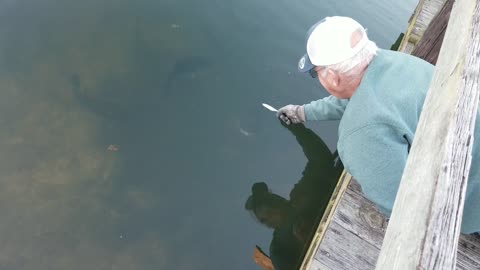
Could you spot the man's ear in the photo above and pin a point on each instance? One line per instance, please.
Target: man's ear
(355, 38)
(333, 78)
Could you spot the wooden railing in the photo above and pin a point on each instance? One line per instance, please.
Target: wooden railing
(425, 224)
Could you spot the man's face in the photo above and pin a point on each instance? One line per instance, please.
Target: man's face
(335, 84)
(329, 80)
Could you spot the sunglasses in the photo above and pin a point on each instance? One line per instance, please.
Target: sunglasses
(313, 73)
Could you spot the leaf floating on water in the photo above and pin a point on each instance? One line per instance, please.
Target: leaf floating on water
(269, 107)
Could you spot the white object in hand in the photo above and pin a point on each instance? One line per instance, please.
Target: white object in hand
(269, 107)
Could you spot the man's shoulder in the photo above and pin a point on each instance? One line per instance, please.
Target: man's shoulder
(391, 93)
(393, 58)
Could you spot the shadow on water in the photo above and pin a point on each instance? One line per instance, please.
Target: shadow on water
(294, 220)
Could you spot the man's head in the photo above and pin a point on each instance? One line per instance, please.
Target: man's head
(270, 209)
(338, 52)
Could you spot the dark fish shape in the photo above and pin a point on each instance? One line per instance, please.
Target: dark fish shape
(148, 60)
(185, 67)
(104, 108)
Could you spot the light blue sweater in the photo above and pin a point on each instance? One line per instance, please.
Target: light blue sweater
(378, 124)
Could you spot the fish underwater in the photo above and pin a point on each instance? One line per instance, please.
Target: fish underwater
(185, 68)
(104, 108)
(148, 59)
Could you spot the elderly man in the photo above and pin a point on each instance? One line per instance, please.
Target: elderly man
(378, 95)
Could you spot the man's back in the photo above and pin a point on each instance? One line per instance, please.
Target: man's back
(378, 127)
(392, 92)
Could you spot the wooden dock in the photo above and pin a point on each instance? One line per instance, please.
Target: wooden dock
(418, 23)
(351, 232)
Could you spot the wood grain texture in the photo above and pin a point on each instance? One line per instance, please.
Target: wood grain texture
(428, 10)
(421, 18)
(345, 250)
(434, 180)
(343, 182)
(361, 217)
(350, 244)
(429, 45)
(468, 257)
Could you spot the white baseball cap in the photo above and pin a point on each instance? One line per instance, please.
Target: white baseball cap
(328, 42)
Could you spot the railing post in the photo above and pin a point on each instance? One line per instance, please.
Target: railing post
(425, 224)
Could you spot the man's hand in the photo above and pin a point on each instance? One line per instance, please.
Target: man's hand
(292, 114)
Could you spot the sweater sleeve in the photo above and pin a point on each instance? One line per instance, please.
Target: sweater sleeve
(376, 156)
(328, 108)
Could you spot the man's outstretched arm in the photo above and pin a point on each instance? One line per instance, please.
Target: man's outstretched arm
(329, 108)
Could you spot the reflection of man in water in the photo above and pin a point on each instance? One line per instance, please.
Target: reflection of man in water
(293, 220)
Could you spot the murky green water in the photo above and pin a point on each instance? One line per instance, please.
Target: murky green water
(132, 131)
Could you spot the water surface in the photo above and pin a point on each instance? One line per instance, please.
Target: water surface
(132, 131)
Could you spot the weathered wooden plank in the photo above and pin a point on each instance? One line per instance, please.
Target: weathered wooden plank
(316, 265)
(342, 249)
(421, 18)
(411, 25)
(468, 252)
(361, 216)
(409, 47)
(428, 10)
(434, 180)
(336, 251)
(429, 45)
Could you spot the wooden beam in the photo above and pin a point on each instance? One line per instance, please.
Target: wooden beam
(425, 224)
(431, 41)
(411, 24)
